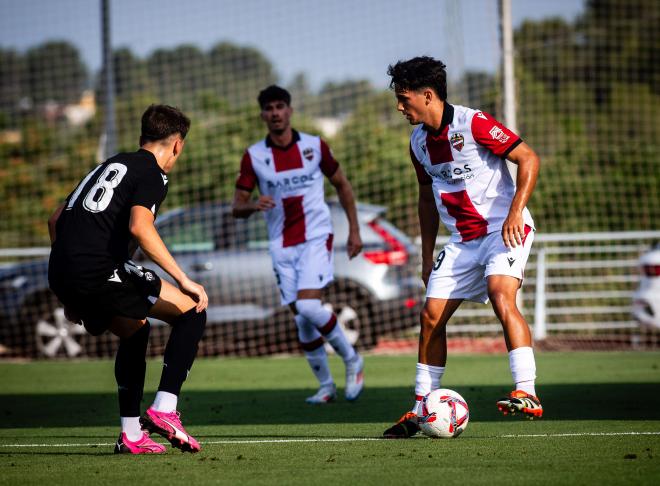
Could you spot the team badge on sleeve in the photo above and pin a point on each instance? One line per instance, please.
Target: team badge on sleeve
(457, 141)
(498, 134)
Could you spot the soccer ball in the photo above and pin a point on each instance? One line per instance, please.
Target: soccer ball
(445, 414)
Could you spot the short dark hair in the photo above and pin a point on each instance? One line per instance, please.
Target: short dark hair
(161, 121)
(417, 73)
(273, 93)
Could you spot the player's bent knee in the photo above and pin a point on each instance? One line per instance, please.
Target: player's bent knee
(312, 309)
(171, 304)
(429, 317)
(502, 301)
(124, 327)
(313, 345)
(195, 321)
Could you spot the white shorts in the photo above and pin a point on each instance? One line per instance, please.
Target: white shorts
(461, 269)
(308, 265)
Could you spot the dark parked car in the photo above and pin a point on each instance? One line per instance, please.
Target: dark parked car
(376, 293)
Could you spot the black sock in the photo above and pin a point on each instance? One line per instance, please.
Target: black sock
(187, 330)
(130, 367)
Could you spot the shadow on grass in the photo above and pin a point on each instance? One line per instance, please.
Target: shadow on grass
(614, 401)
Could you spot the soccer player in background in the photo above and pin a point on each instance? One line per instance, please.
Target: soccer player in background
(93, 235)
(459, 156)
(289, 167)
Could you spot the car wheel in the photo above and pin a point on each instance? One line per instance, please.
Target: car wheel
(51, 334)
(353, 313)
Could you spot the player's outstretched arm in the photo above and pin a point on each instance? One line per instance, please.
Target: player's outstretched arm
(141, 226)
(428, 226)
(243, 205)
(513, 229)
(347, 200)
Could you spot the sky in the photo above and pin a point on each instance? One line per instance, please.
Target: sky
(325, 39)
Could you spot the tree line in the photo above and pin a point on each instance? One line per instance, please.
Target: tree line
(588, 94)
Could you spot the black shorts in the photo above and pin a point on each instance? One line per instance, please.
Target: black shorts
(130, 292)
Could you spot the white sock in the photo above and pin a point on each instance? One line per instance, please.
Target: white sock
(417, 407)
(165, 402)
(313, 311)
(428, 378)
(338, 341)
(318, 362)
(131, 427)
(523, 369)
(307, 332)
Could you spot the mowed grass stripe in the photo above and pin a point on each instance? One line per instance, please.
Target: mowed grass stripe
(602, 425)
(354, 439)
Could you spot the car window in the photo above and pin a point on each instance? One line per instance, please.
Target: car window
(252, 233)
(189, 232)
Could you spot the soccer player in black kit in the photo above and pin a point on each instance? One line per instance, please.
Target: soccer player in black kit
(93, 235)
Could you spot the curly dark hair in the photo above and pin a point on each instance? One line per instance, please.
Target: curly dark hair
(273, 93)
(161, 121)
(417, 73)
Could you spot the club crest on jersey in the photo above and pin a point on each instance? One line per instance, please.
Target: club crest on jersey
(499, 135)
(308, 153)
(457, 141)
(267, 161)
(165, 181)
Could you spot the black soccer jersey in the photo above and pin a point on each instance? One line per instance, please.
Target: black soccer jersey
(92, 235)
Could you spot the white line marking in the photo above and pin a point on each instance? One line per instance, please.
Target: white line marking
(579, 434)
(350, 439)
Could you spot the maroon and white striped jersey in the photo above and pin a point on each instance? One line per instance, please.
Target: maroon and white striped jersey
(293, 177)
(465, 163)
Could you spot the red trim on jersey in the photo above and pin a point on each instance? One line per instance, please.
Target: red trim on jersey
(328, 326)
(328, 242)
(439, 148)
(490, 133)
(312, 345)
(423, 177)
(287, 159)
(328, 163)
(247, 178)
(469, 223)
(293, 232)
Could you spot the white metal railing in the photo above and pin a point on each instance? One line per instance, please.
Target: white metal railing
(24, 252)
(575, 263)
(594, 302)
(572, 262)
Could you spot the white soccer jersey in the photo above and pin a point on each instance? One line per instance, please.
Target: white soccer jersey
(293, 177)
(466, 164)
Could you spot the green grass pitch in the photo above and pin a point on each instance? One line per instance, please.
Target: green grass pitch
(601, 425)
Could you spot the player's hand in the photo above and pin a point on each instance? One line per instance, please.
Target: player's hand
(72, 316)
(513, 229)
(354, 244)
(264, 203)
(426, 272)
(195, 292)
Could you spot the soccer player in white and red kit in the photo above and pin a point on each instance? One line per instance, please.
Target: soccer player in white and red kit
(289, 168)
(459, 156)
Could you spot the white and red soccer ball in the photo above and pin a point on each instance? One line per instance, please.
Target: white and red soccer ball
(445, 414)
